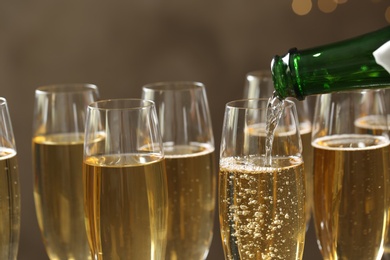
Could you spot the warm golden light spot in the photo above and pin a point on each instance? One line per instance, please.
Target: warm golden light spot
(387, 14)
(301, 7)
(327, 6)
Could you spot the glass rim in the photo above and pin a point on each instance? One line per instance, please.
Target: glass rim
(259, 73)
(66, 88)
(243, 103)
(351, 92)
(173, 86)
(3, 101)
(121, 104)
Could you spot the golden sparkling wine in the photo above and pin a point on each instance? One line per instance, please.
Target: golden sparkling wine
(191, 174)
(58, 194)
(126, 206)
(376, 125)
(262, 213)
(258, 131)
(9, 204)
(350, 175)
(307, 154)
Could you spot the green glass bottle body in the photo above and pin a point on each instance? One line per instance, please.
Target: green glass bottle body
(341, 66)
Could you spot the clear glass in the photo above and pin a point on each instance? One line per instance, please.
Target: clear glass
(261, 209)
(124, 178)
(259, 84)
(187, 135)
(57, 146)
(9, 188)
(351, 173)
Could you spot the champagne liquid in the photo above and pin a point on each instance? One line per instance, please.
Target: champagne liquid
(126, 206)
(191, 174)
(307, 154)
(376, 125)
(262, 208)
(350, 201)
(9, 204)
(58, 194)
(258, 131)
(274, 113)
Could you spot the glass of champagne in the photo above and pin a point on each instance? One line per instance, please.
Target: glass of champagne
(261, 193)
(259, 84)
(58, 137)
(351, 171)
(188, 140)
(125, 188)
(9, 188)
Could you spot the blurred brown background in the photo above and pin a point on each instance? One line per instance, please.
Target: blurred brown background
(121, 46)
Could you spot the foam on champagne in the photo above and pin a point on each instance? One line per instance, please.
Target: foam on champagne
(350, 142)
(193, 149)
(6, 153)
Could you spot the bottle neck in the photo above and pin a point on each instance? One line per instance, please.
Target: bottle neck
(285, 83)
(357, 63)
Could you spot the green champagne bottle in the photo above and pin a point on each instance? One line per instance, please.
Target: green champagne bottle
(359, 62)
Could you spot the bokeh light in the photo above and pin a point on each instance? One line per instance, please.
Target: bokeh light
(387, 14)
(303, 7)
(327, 6)
(342, 1)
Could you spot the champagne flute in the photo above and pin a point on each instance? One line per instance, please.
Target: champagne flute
(259, 84)
(125, 189)
(351, 171)
(191, 168)
(261, 204)
(58, 137)
(9, 188)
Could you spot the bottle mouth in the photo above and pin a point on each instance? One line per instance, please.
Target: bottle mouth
(282, 76)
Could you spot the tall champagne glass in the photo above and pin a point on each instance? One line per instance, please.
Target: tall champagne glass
(9, 188)
(186, 129)
(58, 137)
(125, 189)
(259, 84)
(351, 171)
(261, 201)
